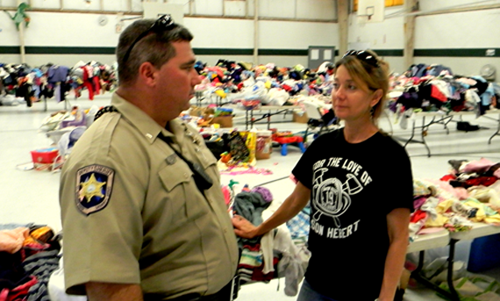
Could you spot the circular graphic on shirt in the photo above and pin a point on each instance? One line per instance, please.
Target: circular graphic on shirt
(331, 199)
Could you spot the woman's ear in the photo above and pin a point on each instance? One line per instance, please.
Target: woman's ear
(377, 97)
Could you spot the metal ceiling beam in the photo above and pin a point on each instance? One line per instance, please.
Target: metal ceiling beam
(449, 10)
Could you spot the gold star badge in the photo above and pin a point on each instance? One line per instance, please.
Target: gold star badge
(91, 188)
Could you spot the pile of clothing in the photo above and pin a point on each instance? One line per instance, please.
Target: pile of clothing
(434, 88)
(469, 193)
(21, 83)
(272, 255)
(270, 84)
(29, 254)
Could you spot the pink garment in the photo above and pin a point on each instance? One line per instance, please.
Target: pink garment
(478, 166)
(430, 230)
(12, 240)
(418, 202)
(459, 192)
(18, 293)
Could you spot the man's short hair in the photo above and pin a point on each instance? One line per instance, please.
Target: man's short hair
(156, 47)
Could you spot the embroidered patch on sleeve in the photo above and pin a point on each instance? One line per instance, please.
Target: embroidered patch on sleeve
(93, 188)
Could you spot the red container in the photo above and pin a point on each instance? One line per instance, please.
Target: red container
(45, 155)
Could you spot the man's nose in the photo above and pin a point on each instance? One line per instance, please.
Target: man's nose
(196, 78)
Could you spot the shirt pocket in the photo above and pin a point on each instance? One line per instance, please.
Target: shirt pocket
(175, 180)
(183, 199)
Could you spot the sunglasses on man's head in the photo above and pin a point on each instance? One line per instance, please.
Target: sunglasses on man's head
(164, 23)
(364, 56)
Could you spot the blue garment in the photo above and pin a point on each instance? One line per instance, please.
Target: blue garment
(57, 74)
(487, 95)
(307, 293)
(38, 72)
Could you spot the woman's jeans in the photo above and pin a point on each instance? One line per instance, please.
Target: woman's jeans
(307, 293)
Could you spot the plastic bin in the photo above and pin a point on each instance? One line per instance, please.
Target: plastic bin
(45, 155)
(484, 253)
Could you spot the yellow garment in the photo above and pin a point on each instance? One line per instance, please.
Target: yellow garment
(444, 206)
(439, 221)
(220, 93)
(42, 234)
(480, 214)
(494, 219)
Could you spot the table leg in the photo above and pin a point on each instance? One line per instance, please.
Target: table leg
(419, 276)
(453, 292)
(423, 134)
(497, 132)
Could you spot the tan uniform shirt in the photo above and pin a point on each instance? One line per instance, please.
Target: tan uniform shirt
(132, 213)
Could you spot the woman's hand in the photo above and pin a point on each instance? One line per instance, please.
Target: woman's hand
(243, 228)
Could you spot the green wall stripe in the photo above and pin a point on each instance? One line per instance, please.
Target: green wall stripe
(389, 52)
(10, 50)
(249, 51)
(69, 50)
(223, 51)
(57, 50)
(468, 52)
(284, 52)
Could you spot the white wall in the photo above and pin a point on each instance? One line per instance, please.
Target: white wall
(455, 31)
(66, 29)
(476, 29)
(464, 30)
(386, 35)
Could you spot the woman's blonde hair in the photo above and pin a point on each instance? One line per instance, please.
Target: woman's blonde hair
(366, 67)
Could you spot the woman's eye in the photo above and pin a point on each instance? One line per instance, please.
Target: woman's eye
(352, 87)
(335, 86)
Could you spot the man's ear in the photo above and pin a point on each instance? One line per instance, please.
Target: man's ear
(148, 74)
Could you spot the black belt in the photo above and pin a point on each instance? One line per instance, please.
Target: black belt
(223, 295)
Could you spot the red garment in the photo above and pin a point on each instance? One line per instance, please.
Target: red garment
(19, 293)
(90, 88)
(88, 73)
(258, 275)
(97, 85)
(447, 178)
(417, 216)
(286, 88)
(437, 94)
(485, 181)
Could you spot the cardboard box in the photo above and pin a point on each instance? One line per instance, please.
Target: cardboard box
(223, 121)
(300, 118)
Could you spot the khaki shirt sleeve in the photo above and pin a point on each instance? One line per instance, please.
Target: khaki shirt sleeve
(102, 245)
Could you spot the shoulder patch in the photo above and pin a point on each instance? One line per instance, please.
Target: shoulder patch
(94, 184)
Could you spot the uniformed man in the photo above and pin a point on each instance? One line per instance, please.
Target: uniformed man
(143, 214)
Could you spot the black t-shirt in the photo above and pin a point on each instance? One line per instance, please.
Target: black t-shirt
(353, 188)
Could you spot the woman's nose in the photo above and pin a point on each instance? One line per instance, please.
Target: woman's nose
(339, 92)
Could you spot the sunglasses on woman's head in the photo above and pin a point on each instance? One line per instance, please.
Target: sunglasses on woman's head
(164, 23)
(364, 56)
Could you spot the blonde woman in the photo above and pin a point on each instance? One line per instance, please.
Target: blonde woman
(359, 181)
